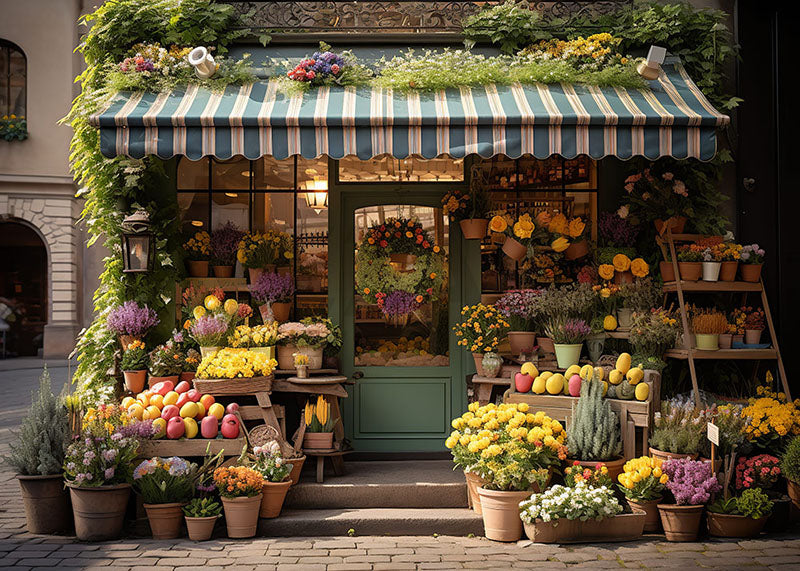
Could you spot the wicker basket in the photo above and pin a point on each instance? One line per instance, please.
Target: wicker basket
(234, 387)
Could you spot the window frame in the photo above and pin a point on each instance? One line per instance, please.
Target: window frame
(10, 47)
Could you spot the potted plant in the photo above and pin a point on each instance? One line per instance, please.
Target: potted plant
(707, 326)
(519, 308)
(230, 363)
(210, 332)
(558, 304)
(269, 462)
(259, 338)
(519, 234)
(197, 251)
(754, 325)
(678, 430)
(201, 515)
(301, 365)
(319, 425)
(730, 254)
(666, 268)
(481, 331)
(653, 332)
(37, 457)
(130, 321)
(568, 337)
(97, 469)
(622, 269)
(736, 322)
(751, 261)
(578, 241)
(790, 467)
(638, 296)
(712, 263)
(691, 483)
(134, 366)
(469, 209)
(642, 481)
(309, 337)
(256, 252)
(690, 258)
(274, 292)
(742, 516)
(166, 485)
(240, 489)
(594, 434)
(166, 363)
(732, 433)
(191, 360)
(224, 248)
(660, 197)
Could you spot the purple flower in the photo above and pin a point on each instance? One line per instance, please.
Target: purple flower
(399, 303)
(225, 243)
(616, 231)
(272, 286)
(140, 429)
(209, 330)
(109, 473)
(690, 481)
(519, 305)
(132, 319)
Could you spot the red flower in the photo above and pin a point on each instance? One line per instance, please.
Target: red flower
(426, 244)
(384, 243)
(311, 75)
(397, 234)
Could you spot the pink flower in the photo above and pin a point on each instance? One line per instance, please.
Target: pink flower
(667, 176)
(629, 188)
(680, 188)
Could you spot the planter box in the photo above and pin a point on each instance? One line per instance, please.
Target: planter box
(234, 387)
(623, 527)
(191, 447)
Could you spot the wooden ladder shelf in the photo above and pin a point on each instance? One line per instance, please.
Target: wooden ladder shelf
(666, 243)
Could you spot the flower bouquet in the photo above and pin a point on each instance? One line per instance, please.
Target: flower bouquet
(131, 321)
(274, 291)
(165, 484)
(224, 247)
(197, 250)
(520, 309)
(240, 488)
(692, 484)
(325, 67)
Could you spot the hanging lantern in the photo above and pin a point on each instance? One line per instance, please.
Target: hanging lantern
(138, 243)
(317, 194)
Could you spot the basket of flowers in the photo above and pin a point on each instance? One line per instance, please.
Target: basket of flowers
(234, 372)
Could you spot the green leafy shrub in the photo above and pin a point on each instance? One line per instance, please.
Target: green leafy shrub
(594, 433)
(135, 358)
(790, 463)
(42, 441)
(753, 503)
(202, 507)
(512, 25)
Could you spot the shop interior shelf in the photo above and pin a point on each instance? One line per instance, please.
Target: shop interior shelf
(752, 354)
(701, 286)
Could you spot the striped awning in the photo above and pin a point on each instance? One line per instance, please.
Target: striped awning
(671, 118)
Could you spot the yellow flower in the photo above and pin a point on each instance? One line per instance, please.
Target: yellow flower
(199, 311)
(606, 271)
(498, 224)
(621, 262)
(212, 302)
(639, 267)
(558, 224)
(560, 244)
(576, 227)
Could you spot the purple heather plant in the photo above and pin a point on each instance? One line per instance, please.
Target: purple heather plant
(519, 307)
(399, 303)
(209, 331)
(271, 287)
(690, 481)
(615, 231)
(130, 318)
(225, 243)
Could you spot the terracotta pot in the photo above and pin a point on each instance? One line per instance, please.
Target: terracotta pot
(478, 358)
(286, 356)
(474, 481)
(241, 515)
(690, 271)
(727, 272)
(752, 336)
(500, 512)
(254, 274)
(521, 341)
(197, 268)
(474, 228)
(622, 527)
(546, 344)
(750, 272)
(166, 520)
(667, 271)
(677, 223)
(46, 501)
(793, 489)
(725, 340)
(125, 340)
(729, 525)
(680, 523)
(282, 270)
(281, 310)
(223, 271)
(200, 528)
(707, 341)
(188, 376)
(577, 250)
(151, 380)
(297, 468)
(615, 467)
(99, 512)
(134, 380)
(318, 440)
(652, 521)
(568, 354)
(272, 496)
(515, 251)
(625, 277)
(664, 456)
(711, 271)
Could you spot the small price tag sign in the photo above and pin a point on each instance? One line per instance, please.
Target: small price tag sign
(713, 433)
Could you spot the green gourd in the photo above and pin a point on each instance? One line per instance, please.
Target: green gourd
(626, 391)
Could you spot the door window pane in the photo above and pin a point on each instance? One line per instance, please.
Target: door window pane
(401, 298)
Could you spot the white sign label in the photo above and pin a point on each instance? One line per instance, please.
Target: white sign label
(713, 433)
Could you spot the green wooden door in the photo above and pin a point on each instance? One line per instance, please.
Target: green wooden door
(395, 408)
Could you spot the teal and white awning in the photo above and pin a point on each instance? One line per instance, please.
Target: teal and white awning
(671, 118)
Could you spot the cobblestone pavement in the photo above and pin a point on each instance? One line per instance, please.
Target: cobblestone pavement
(21, 550)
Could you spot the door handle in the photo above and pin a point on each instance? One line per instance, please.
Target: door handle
(358, 375)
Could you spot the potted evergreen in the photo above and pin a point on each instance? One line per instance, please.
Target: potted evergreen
(678, 431)
(166, 485)
(790, 467)
(692, 484)
(37, 457)
(269, 462)
(134, 366)
(742, 516)
(593, 435)
(201, 515)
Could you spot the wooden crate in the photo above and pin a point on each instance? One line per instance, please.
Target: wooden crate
(234, 387)
(191, 447)
(636, 417)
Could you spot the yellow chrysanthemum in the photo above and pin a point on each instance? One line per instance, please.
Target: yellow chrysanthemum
(622, 263)
(606, 271)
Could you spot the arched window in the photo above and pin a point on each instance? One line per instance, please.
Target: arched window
(13, 79)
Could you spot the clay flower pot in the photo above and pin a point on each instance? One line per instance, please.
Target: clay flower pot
(577, 250)
(652, 521)
(272, 496)
(793, 489)
(478, 358)
(197, 268)
(223, 271)
(165, 520)
(680, 523)
(625, 277)
(474, 228)
(46, 501)
(500, 511)
(667, 271)
(254, 274)
(615, 467)
(125, 340)
(188, 376)
(134, 380)
(546, 344)
(200, 528)
(151, 380)
(318, 440)
(281, 310)
(99, 512)
(521, 341)
(241, 515)
(515, 251)
(725, 340)
(690, 271)
(676, 223)
(727, 272)
(752, 336)
(474, 481)
(297, 468)
(729, 525)
(664, 456)
(750, 272)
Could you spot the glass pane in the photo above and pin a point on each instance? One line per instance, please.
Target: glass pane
(580, 173)
(389, 169)
(312, 245)
(4, 107)
(274, 212)
(230, 207)
(192, 175)
(312, 174)
(401, 297)
(233, 174)
(193, 208)
(270, 173)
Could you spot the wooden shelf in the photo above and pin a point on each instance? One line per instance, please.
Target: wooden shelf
(701, 286)
(752, 354)
(618, 334)
(191, 447)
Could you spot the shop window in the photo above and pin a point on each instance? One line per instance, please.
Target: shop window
(389, 169)
(194, 211)
(13, 80)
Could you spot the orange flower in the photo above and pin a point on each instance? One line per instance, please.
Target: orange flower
(639, 268)
(606, 271)
(419, 299)
(622, 263)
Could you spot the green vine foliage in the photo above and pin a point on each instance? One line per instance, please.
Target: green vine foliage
(511, 25)
(112, 188)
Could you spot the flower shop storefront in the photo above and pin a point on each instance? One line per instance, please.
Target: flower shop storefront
(356, 178)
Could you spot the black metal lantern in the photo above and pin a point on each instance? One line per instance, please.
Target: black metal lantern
(138, 243)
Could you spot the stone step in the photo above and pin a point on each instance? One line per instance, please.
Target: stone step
(383, 484)
(372, 521)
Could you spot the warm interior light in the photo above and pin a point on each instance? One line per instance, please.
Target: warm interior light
(317, 194)
(197, 223)
(232, 194)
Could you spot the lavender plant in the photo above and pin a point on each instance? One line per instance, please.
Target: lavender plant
(130, 318)
(224, 244)
(271, 287)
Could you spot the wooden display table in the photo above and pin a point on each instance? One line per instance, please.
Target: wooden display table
(191, 447)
